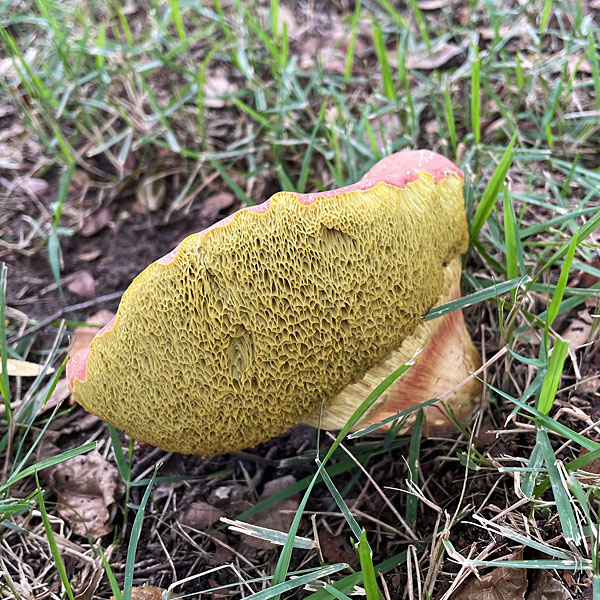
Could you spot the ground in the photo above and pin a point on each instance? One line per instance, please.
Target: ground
(124, 128)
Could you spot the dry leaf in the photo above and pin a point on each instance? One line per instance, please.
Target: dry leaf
(590, 384)
(90, 256)
(217, 84)
(287, 16)
(86, 487)
(578, 331)
(432, 4)
(23, 368)
(10, 157)
(336, 548)
(82, 283)
(94, 223)
(546, 587)
(441, 54)
(33, 186)
(83, 336)
(503, 583)
(201, 515)
(214, 205)
(147, 592)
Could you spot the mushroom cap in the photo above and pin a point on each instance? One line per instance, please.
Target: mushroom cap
(253, 324)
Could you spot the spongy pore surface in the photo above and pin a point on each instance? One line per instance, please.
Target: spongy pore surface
(254, 324)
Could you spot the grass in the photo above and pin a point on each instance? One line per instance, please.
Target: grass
(232, 95)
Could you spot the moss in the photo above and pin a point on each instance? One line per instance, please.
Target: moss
(255, 323)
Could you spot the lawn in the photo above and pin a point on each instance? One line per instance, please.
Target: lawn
(125, 127)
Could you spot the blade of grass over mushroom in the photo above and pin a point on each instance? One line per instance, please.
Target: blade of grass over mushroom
(286, 553)
(134, 538)
(490, 195)
(399, 415)
(449, 117)
(553, 376)
(492, 291)
(56, 556)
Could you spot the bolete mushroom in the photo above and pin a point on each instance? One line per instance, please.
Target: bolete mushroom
(304, 301)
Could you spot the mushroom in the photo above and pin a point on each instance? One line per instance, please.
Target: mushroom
(292, 311)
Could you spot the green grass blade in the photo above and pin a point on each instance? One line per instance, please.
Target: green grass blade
(352, 42)
(47, 462)
(557, 298)
(368, 570)
(553, 375)
(134, 538)
(341, 503)
(492, 291)
(309, 150)
(58, 561)
(511, 240)
(386, 73)
(562, 497)
(292, 584)
(490, 195)
(412, 502)
(238, 191)
(449, 116)
(476, 96)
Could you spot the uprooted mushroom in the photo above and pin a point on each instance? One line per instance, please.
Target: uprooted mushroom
(292, 311)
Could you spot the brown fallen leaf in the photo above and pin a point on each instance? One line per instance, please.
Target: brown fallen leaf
(546, 587)
(440, 55)
(94, 223)
(336, 548)
(90, 256)
(83, 336)
(82, 283)
(432, 4)
(503, 583)
(147, 592)
(87, 487)
(201, 515)
(216, 86)
(214, 205)
(34, 186)
(578, 332)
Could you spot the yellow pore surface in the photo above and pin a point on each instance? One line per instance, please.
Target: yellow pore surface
(256, 323)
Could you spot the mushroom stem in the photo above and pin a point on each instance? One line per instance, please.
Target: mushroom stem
(445, 357)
